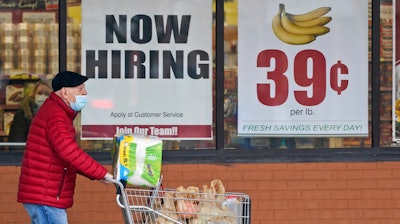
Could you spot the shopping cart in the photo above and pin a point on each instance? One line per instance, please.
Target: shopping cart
(169, 206)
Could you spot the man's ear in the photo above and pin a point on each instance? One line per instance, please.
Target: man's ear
(64, 93)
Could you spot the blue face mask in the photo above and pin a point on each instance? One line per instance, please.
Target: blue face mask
(80, 102)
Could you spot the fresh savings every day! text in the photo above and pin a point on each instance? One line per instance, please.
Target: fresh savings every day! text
(149, 72)
(300, 73)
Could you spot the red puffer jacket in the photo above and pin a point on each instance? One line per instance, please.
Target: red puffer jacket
(52, 158)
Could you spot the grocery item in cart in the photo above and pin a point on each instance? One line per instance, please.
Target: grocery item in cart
(195, 206)
(187, 200)
(137, 159)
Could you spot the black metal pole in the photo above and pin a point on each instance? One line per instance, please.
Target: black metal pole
(375, 67)
(62, 32)
(219, 79)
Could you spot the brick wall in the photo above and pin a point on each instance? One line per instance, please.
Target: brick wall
(281, 193)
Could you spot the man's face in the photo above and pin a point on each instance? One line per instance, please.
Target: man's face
(74, 91)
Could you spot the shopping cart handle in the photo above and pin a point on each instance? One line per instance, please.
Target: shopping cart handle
(120, 184)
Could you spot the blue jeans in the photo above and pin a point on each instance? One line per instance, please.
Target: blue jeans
(42, 214)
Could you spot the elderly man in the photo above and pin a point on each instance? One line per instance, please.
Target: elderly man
(52, 157)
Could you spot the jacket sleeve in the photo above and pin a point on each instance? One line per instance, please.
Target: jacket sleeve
(19, 128)
(62, 138)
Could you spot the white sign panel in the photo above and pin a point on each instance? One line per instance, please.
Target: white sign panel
(149, 65)
(303, 68)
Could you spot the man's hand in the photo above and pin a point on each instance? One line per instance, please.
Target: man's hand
(104, 181)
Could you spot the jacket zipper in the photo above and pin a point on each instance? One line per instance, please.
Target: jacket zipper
(61, 184)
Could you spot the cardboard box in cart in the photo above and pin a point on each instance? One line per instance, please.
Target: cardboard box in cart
(137, 159)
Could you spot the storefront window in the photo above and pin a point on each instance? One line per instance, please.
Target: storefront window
(30, 53)
(148, 17)
(299, 142)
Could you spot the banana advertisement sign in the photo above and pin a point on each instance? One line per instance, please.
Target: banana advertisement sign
(303, 68)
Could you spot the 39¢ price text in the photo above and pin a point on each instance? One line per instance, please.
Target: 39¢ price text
(309, 73)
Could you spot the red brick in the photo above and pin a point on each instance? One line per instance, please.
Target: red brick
(270, 185)
(182, 167)
(349, 174)
(302, 184)
(287, 175)
(289, 214)
(377, 174)
(245, 167)
(346, 194)
(376, 193)
(302, 166)
(241, 186)
(362, 166)
(332, 166)
(355, 214)
(254, 175)
(272, 166)
(286, 194)
(361, 184)
(303, 204)
(337, 204)
(374, 213)
(199, 175)
(332, 184)
(388, 165)
(320, 214)
(227, 175)
(388, 183)
(274, 204)
(389, 203)
(363, 203)
(317, 175)
(10, 170)
(320, 194)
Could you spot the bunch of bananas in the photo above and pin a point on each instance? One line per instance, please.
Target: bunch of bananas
(301, 28)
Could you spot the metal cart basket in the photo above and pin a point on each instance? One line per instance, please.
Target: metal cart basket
(169, 206)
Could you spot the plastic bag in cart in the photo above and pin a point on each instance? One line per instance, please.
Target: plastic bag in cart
(137, 159)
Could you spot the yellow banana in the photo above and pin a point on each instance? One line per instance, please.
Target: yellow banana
(311, 14)
(283, 35)
(320, 21)
(290, 27)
